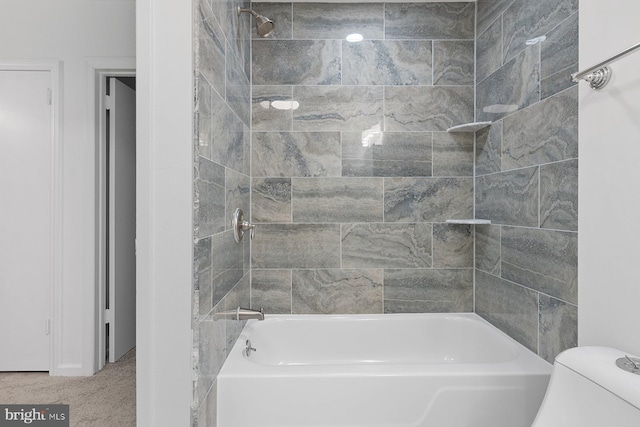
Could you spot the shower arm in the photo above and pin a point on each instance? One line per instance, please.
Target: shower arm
(251, 11)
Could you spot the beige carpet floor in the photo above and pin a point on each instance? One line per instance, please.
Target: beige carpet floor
(107, 399)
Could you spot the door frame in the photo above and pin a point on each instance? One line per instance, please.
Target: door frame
(54, 67)
(96, 72)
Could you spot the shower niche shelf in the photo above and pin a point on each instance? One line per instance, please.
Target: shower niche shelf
(469, 221)
(469, 127)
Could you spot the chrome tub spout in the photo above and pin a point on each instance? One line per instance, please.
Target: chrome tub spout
(241, 314)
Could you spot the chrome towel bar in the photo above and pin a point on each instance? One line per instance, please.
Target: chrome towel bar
(599, 75)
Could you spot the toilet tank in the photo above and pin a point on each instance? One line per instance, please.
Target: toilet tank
(588, 389)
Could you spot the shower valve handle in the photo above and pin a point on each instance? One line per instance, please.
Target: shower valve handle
(240, 226)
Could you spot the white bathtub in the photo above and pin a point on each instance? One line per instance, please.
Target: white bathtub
(393, 370)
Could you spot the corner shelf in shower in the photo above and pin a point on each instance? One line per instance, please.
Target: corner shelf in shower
(469, 221)
(469, 127)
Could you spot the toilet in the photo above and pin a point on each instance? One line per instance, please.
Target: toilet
(589, 389)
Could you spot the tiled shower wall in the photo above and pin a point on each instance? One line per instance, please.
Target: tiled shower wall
(353, 173)
(527, 171)
(221, 184)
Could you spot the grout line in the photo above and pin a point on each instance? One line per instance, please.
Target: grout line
(384, 21)
(291, 21)
(526, 167)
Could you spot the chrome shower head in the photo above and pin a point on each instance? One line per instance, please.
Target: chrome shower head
(264, 25)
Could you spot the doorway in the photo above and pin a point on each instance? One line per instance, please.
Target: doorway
(117, 216)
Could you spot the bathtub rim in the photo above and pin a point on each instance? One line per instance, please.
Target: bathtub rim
(525, 363)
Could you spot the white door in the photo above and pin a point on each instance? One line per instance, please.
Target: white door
(122, 219)
(25, 219)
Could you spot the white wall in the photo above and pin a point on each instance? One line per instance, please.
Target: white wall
(71, 31)
(609, 196)
(164, 162)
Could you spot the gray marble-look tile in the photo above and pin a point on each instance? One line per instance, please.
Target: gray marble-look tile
(209, 208)
(559, 195)
(211, 49)
(511, 308)
(238, 94)
(427, 108)
(323, 200)
(337, 20)
(488, 11)
(202, 274)
(361, 167)
(337, 291)
(400, 168)
(280, 14)
(452, 246)
(383, 168)
(558, 327)
(227, 135)
(558, 82)
(296, 62)
(392, 154)
(544, 260)
(453, 154)
(238, 190)
(208, 410)
(545, 132)
(296, 246)
(202, 116)
(389, 146)
(427, 199)
(509, 197)
(271, 200)
(387, 62)
(487, 253)
(287, 154)
(271, 290)
(514, 86)
(239, 296)
(338, 108)
(240, 41)
(272, 108)
(560, 49)
(559, 57)
(246, 50)
(453, 62)
(489, 51)
(528, 19)
(428, 291)
(238, 28)
(489, 149)
(359, 145)
(211, 352)
(243, 41)
(429, 20)
(222, 12)
(385, 245)
(227, 265)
